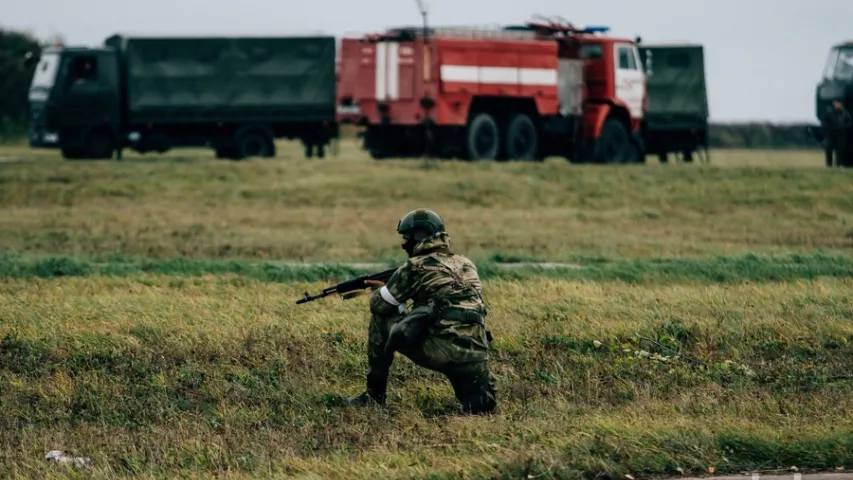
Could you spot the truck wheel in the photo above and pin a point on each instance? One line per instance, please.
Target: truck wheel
(614, 145)
(99, 145)
(253, 144)
(522, 142)
(229, 153)
(72, 153)
(483, 140)
(377, 153)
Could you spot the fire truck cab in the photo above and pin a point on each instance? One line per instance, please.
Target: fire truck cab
(508, 93)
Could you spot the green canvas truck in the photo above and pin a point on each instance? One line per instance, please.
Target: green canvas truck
(676, 120)
(234, 95)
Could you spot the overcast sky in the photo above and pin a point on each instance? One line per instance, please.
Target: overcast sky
(763, 57)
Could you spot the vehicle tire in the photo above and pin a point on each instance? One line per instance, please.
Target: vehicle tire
(253, 144)
(614, 144)
(483, 139)
(228, 153)
(522, 139)
(374, 142)
(99, 145)
(72, 153)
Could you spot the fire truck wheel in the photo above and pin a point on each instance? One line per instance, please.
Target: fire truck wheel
(521, 138)
(614, 145)
(483, 139)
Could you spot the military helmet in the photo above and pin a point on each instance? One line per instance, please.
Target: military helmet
(421, 218)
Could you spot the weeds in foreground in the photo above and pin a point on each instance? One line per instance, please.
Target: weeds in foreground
(150, 374)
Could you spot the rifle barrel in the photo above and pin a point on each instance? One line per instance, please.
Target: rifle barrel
(352, 284)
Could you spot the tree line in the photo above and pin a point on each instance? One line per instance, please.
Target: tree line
(15, 78)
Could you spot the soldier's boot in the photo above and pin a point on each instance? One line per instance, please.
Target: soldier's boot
(480, 403)
(374, 395)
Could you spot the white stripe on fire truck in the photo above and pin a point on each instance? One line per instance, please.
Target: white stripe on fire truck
(387, 71)
(393, 78)
(499, 75)
(381, 70)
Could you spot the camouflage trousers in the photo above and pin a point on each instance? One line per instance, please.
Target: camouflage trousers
(467, 370)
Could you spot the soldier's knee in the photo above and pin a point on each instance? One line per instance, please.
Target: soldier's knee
(475, 388)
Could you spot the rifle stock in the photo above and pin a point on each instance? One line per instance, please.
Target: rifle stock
(353, 284)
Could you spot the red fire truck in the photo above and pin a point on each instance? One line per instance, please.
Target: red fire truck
(508, 93)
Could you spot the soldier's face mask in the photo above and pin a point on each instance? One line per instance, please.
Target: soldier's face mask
(408, 244)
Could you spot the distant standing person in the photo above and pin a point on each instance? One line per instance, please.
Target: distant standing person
(835, 143)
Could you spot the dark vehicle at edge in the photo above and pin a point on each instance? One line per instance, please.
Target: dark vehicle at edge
(834, 105)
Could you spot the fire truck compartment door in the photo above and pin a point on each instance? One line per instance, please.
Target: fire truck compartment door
(571, 86)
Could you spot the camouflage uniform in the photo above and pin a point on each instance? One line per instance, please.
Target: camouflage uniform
(455, 343)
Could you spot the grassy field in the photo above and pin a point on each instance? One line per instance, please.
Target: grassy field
(147, 316)
(347, 208)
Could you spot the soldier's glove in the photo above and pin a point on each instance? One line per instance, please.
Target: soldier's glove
(411, 330)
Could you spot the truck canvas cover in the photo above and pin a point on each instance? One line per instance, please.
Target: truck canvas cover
(675, 80)
(221, 79)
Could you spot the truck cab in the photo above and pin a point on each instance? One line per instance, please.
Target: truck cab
(613, 73)
(614, 98)
(75, 103)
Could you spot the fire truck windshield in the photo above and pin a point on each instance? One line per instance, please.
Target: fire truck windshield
(591, 51)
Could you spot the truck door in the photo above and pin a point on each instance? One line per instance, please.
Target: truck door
(90, 93)
(630, 80)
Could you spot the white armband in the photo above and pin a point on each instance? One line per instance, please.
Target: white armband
(386, 295)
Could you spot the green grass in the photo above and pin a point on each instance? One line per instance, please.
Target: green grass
(148, 316)
(720, 269)
(346, 209)
(153, 374)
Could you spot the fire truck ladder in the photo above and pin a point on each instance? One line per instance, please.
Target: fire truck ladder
(559, 26)
(531, 30)
(463, 32)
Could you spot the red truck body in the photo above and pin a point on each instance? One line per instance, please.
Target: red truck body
(519, 93)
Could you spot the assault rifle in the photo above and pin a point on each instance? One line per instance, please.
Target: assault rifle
(350, 285)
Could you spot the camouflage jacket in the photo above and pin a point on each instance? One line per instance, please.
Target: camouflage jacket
(434, 273)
